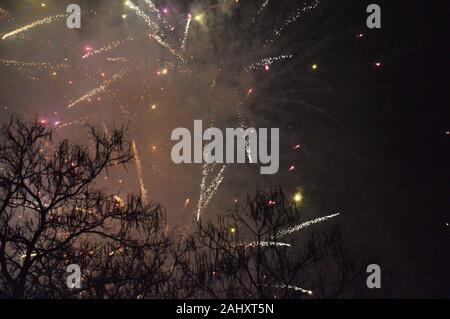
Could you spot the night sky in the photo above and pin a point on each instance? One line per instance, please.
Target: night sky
(363, 114)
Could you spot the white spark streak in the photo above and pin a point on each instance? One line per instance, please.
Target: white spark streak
(265, 244)
(293, 18)
(268, 61)
(139, 173)
(207, 193)
(283, 286)
(98, 90)
(293, 229)
(186, 31)
(34, 24)
(108, 47)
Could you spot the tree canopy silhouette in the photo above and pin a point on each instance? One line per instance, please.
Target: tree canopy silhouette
(53, 214)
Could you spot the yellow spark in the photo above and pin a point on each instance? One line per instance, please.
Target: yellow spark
(314, 66)
(119, 201)
(232, 230)
(31, 255)
(199, 17)
(298, 197)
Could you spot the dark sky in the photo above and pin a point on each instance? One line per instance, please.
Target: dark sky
(373, 138)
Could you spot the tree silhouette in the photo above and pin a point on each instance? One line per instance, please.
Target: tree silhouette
(247, 255)
(53, 214)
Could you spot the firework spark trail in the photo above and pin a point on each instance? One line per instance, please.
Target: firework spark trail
(186, 32)
(283, 286)
(155, 11)
(153, 8)
(98, 90)
(293, 18)
(75, 122)
(139, 173)
(154, 28)
(207, 193)
(108, 47)
(206, 170)
(244, 126)
(261, 9)
(21, 63)
(34, 24)
(167, 46)
(117, 59)
(265, 244)
(202, 187)
(268, 61)
(296, 228)
(23, 66)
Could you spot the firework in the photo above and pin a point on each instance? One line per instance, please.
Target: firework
(25, 64)
(268, 61)
(265, 244)
(118, 59)
(207, 193)
(139, 173)
(81, 121)
(34, 24)
(296, 228)
(100, 89)
(153, 26)
(31, 255)
(186, 203)
(293, 18)
(261, 9)
(282, 286)
(107, 47)
(155, 11)
(186, 31)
